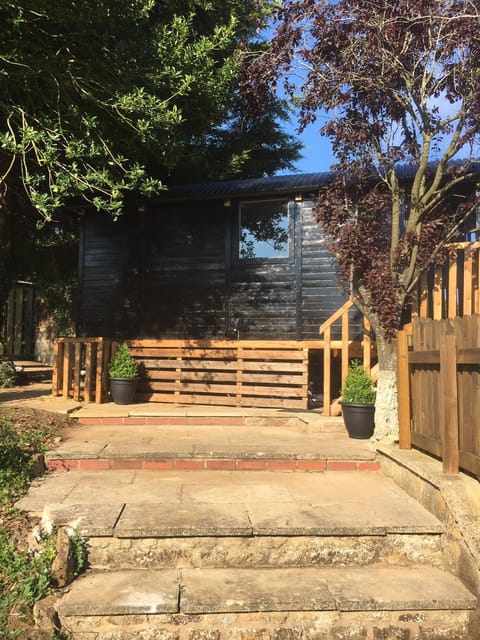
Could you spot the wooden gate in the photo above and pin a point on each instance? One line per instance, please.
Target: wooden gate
(19, 321)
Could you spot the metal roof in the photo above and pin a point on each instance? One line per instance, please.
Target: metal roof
(249, 187)
(275, 185)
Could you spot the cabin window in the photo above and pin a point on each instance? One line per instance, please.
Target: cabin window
(264, 230)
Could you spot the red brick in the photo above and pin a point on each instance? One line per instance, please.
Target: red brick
(221, 465)
(234, 421)
(89, 420)
(133, 420)
(189, 465)
(369, 466)
(62, 465)
(94, 465)
(311, 465)
(159, 465)
(281, 465)
(341, 465)
(251, 465)
(127, 464)
(178, 420)
(157, 420)
(117, 421)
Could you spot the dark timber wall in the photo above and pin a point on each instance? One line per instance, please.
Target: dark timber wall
(172, 272)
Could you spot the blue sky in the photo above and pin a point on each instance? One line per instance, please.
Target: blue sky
(317, 151)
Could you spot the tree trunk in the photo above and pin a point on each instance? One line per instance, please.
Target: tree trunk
(386, 405)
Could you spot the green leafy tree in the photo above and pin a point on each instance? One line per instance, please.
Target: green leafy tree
(101, 97)
(399, 84)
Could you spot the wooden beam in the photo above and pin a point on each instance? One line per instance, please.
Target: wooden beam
(403, 382)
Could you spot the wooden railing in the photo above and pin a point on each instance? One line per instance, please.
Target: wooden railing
(439, 390)
(80, 368)
(345, 348)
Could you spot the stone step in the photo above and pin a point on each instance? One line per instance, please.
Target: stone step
(257, 533)
(209, 447)
(327, 603)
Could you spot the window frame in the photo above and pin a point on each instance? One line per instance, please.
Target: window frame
(290, 258)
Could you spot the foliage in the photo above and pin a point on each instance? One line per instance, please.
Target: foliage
(24, 575)
(7, 375)
(399, 85)
(123, 365)
(155, 80)
(358, 388)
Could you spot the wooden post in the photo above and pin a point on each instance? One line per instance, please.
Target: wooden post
(57, 367)
(403, 383)
(77, 370)
(67, 369)
(99, 372)
(345, 342)
(327, 390)
(88, 371)
(449, 412)
(367, 344)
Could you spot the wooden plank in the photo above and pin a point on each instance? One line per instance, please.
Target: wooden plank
(437, 294)
(467, 282)
(403, 382)
(268, 402)
(427, 443)
(89, 371)
(207, 365)
(67, 370)
(449, 412)
(424, 357)
(327, 368)
(218, 344)
(345, 344)
(57, 368)
(180, 388)
(367, 344)
(452, 283)
(76, 371)
(99, 373)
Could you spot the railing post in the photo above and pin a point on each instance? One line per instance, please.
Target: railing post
(327, 361)
(449, 412)
(403, 384)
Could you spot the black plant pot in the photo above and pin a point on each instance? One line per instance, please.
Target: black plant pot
(359, 419)
(123, 389)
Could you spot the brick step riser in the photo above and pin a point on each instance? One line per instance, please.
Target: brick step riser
(265, 551)
(199, 463)
(322, 426)
(326, 625)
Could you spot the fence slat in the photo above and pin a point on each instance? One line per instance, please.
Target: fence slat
(403, 383)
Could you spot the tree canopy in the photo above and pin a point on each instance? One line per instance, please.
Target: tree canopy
(101, 97)
(399, 84)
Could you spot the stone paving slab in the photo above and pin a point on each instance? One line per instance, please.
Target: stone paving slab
(206, 591)
(274, 501)
(89, 520)
(185, 520)
(396, 588)
(123, 593)
(214, 441)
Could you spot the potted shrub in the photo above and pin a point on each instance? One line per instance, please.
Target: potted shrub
(123, 370)
(358, 402)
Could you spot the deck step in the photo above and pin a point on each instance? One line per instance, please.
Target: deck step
(263, 603)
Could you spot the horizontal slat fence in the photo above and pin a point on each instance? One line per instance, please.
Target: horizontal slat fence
(439, 390)
(249, 373)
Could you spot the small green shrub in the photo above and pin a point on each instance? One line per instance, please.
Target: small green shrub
(123, 365)
(358, 387)
(7, 376)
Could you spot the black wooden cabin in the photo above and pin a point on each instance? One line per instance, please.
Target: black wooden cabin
(239, 259)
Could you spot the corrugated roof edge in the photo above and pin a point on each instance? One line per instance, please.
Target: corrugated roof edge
(248, 187)
(273, 185)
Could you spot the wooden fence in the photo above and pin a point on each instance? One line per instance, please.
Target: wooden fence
(439, 390)
(452, 289)
(250, 373)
